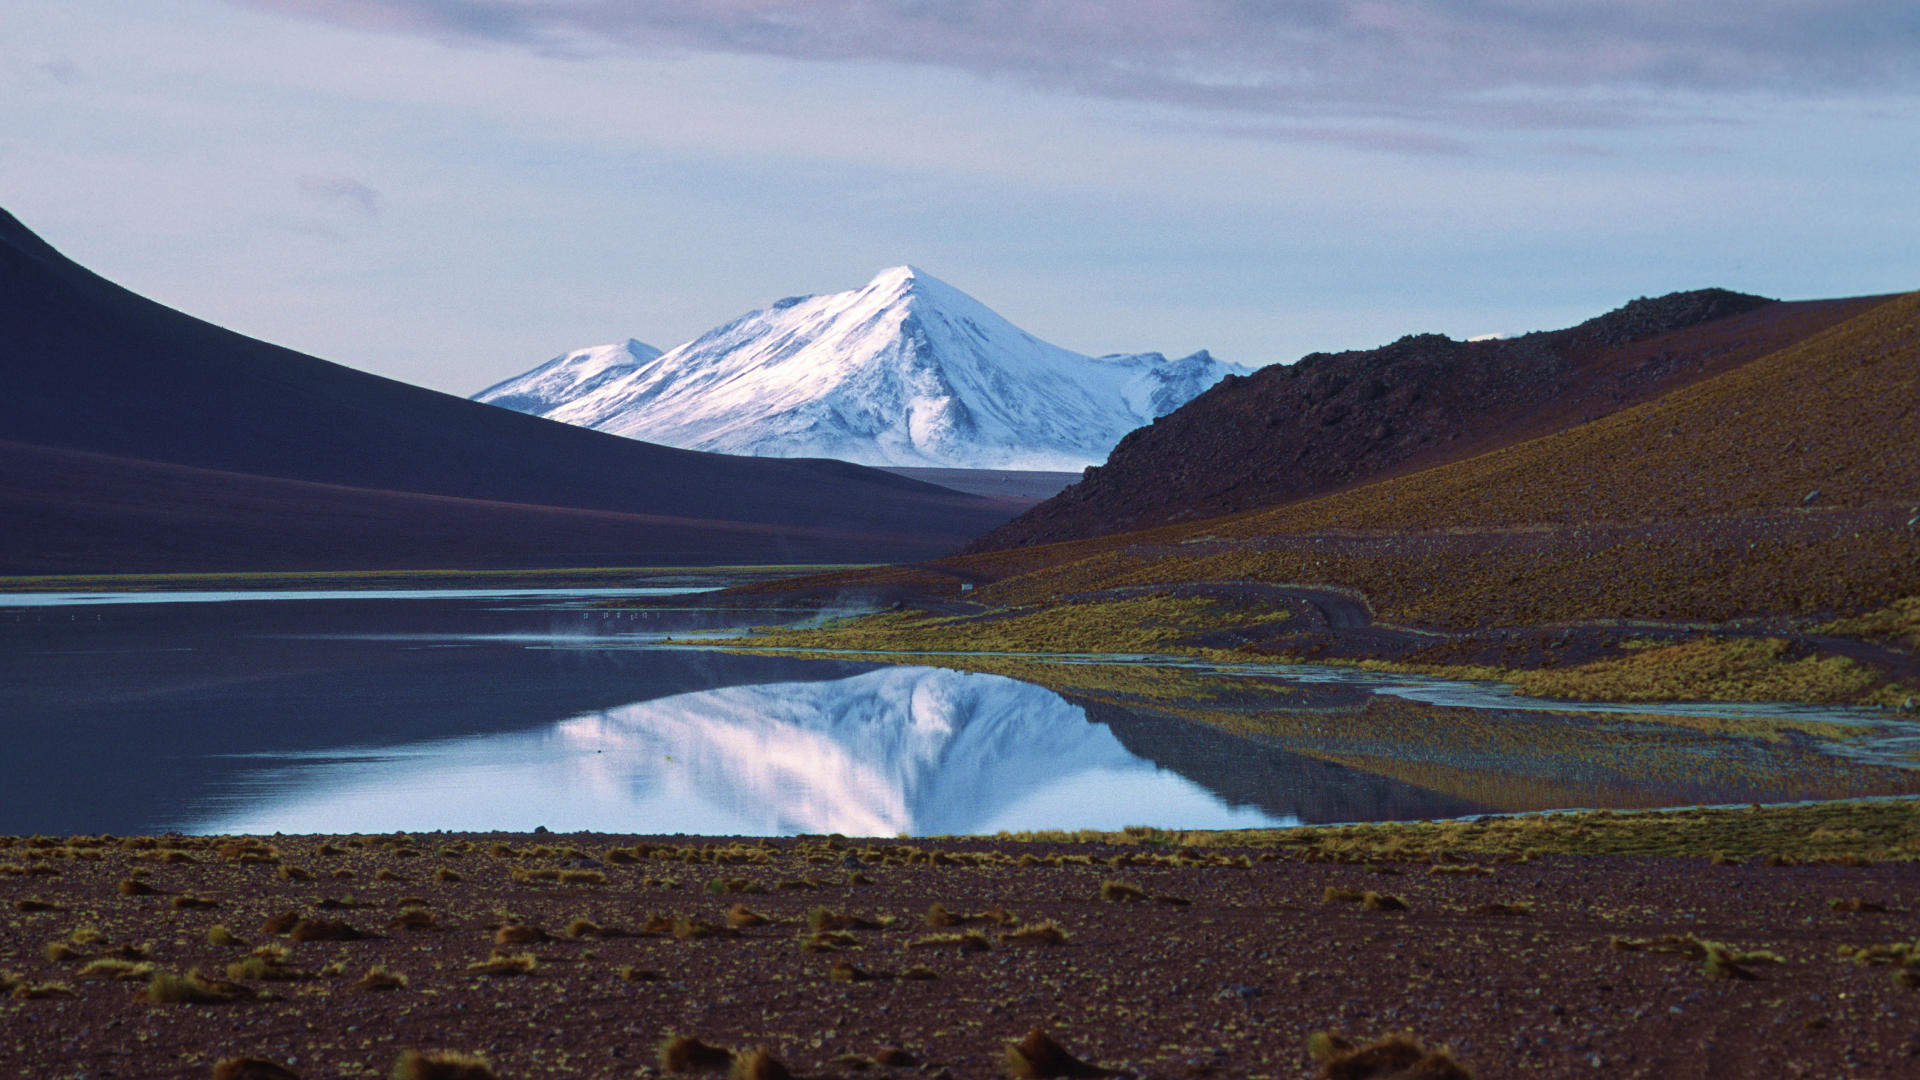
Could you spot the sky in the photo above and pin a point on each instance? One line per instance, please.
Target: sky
(450, 192)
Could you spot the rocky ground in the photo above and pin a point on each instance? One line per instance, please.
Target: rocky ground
(1159, 956)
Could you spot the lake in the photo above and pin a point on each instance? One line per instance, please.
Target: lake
(478, 710)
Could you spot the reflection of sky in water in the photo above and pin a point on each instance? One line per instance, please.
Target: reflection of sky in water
(188, 596)
(901, 750)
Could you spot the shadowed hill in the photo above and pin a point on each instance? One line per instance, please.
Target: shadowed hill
(122, 384)
(1330, 422)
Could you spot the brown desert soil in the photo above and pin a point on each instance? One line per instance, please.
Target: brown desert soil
(1230, 959)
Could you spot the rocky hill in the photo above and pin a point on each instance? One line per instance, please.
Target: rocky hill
(1332, 421)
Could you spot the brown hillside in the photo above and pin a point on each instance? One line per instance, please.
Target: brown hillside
(1693, 506)
(1331, 422)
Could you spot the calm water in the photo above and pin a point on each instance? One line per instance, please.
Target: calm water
(510, 710)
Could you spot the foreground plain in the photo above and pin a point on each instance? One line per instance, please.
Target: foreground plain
(1692, 943)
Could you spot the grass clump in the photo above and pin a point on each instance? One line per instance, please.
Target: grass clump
(252, 1068)
(1038, 1057)
(821, 918)
(1121, 892)
(505, 964)
(1040, 933)
(379, 978)
(192, 988)
(758, 1064)
(684, 1053)
(414, 918)
(1394, 1056)
(519, 934)
(113, 968)
(40, 991)
(441, 1065)
(741, 917)
(965, 941)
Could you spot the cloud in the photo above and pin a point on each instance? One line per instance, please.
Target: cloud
(1473, 61)
(61, 70)
(341, 193)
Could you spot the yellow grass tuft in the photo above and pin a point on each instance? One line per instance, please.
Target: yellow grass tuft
(441, 1065)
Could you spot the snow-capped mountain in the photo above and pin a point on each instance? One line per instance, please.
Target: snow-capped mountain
(907, 371)
(568, 376)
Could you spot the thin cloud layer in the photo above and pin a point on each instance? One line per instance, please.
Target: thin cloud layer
(343, 192)
(1546, 62)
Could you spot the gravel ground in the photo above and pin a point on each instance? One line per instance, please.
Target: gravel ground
(1230, 982)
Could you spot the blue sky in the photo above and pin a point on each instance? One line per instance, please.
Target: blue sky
(451, 191)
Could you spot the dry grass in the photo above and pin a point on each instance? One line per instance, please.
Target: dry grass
(505, 964)
(684, 1053)
(1040, 933)
(379, 978)
(1394, 1057)
(1713, 669)
(965, 941)
(441, 1065)
(1896, 624)
(1038, 1056)
(192, 988)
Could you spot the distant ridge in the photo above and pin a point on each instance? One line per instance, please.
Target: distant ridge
(1333, 421)
(102, 386)
(905, 371)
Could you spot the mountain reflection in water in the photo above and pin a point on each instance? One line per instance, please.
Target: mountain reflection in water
(904, 750)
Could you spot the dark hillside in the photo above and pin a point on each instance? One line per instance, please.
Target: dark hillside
(1331, 422)
(87, 366)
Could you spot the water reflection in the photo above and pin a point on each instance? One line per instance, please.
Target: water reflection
(909, 750)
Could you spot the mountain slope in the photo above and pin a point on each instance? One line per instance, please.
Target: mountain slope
(907, 371)
(1332, 421)
(1787, 486)
(89, 367)
(568, 376)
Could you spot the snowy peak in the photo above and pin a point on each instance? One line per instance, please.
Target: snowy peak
(568, 375)
(905, 370)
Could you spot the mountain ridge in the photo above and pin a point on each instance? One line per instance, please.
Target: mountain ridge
(1333, 421)
(904, 371)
